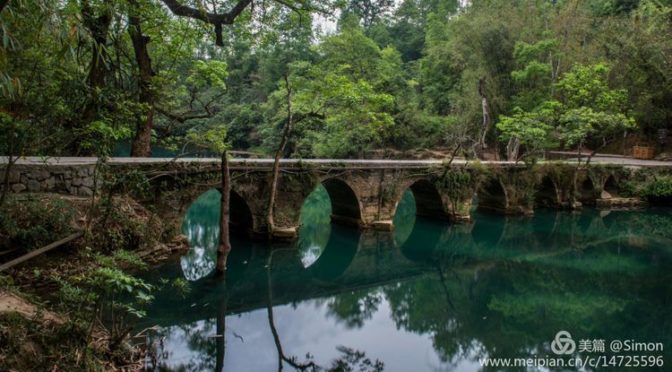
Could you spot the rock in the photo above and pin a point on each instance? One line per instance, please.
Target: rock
(33, 186)
(77, 181)
(42, 175)
(85, 191)
(88, 181)
(14, 176)
(51, 182)
(18, 187)
(605, 195)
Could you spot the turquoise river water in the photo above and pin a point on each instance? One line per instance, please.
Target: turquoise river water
(428, 297)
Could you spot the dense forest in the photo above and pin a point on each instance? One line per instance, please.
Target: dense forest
(332, 79)
(480, 79)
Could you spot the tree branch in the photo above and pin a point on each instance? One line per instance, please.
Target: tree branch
(181, 118)
(215, 19)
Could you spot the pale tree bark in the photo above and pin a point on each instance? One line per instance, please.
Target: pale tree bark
(512, 149)
(486, 114)
(224, 242)
(278, 154)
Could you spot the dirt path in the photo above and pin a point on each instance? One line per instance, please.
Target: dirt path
(12, 303)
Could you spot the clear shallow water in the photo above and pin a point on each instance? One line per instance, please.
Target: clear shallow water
(427, 297)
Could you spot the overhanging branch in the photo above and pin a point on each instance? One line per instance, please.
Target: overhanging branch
(215, 19)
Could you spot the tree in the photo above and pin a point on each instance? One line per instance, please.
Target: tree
(533, 131)
(215, 140)
(592, 113)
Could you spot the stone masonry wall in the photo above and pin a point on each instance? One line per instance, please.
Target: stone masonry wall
(73, 180)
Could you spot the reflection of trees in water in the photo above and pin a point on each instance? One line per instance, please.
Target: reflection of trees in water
(353, 309)
(514, 307)
(596, 275)
(349, 360)
(201, 226)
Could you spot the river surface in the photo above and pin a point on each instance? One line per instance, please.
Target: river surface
(428, 297)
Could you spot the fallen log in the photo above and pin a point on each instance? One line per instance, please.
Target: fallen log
(38, 252)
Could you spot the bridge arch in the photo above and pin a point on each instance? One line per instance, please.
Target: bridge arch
(428, 200)
(547, 194)
(587, 191)
(492, 196)
(610, 187)
(345, 205)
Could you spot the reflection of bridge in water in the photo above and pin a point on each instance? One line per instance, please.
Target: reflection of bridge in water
(354, 259)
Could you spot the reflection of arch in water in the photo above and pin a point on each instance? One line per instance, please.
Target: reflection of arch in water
(338, 254)
(201, 226)
(345, 208)
(544, 224)
(488, 229)
(492, 196)
(423, 240)
(420, 199)
(547, 195)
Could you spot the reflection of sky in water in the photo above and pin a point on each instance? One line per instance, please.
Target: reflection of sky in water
(447, 296)
(201, 226)
(311, 254)
(307, 327)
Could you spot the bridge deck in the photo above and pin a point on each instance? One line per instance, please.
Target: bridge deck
(316, 163)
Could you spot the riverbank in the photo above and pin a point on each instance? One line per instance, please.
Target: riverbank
(62, 310)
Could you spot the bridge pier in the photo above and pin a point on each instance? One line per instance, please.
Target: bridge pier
(508, 192)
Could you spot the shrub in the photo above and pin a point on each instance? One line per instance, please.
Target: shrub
(32, 222)
(658, 189)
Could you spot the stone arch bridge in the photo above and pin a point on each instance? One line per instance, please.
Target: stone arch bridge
(364, 193)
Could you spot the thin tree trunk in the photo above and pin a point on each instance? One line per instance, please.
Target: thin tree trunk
(278, 154)
(141, 145)
(221, 335)
(274, 331)
(5, 187)
(486, 114)
(454, 154)
(224, 242)
(575, 176)
(99, 27)
(512, 149)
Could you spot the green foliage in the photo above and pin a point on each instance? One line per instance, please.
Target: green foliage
(30, 222)
(213, 139)
(659, 188)
(532, 129)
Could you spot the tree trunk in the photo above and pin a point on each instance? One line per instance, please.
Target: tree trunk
(141, 145)
(99, 27)
(486, 114)
(221, 335)
(278, 155)
(224, 242)
(512, 149)
(5, 183)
